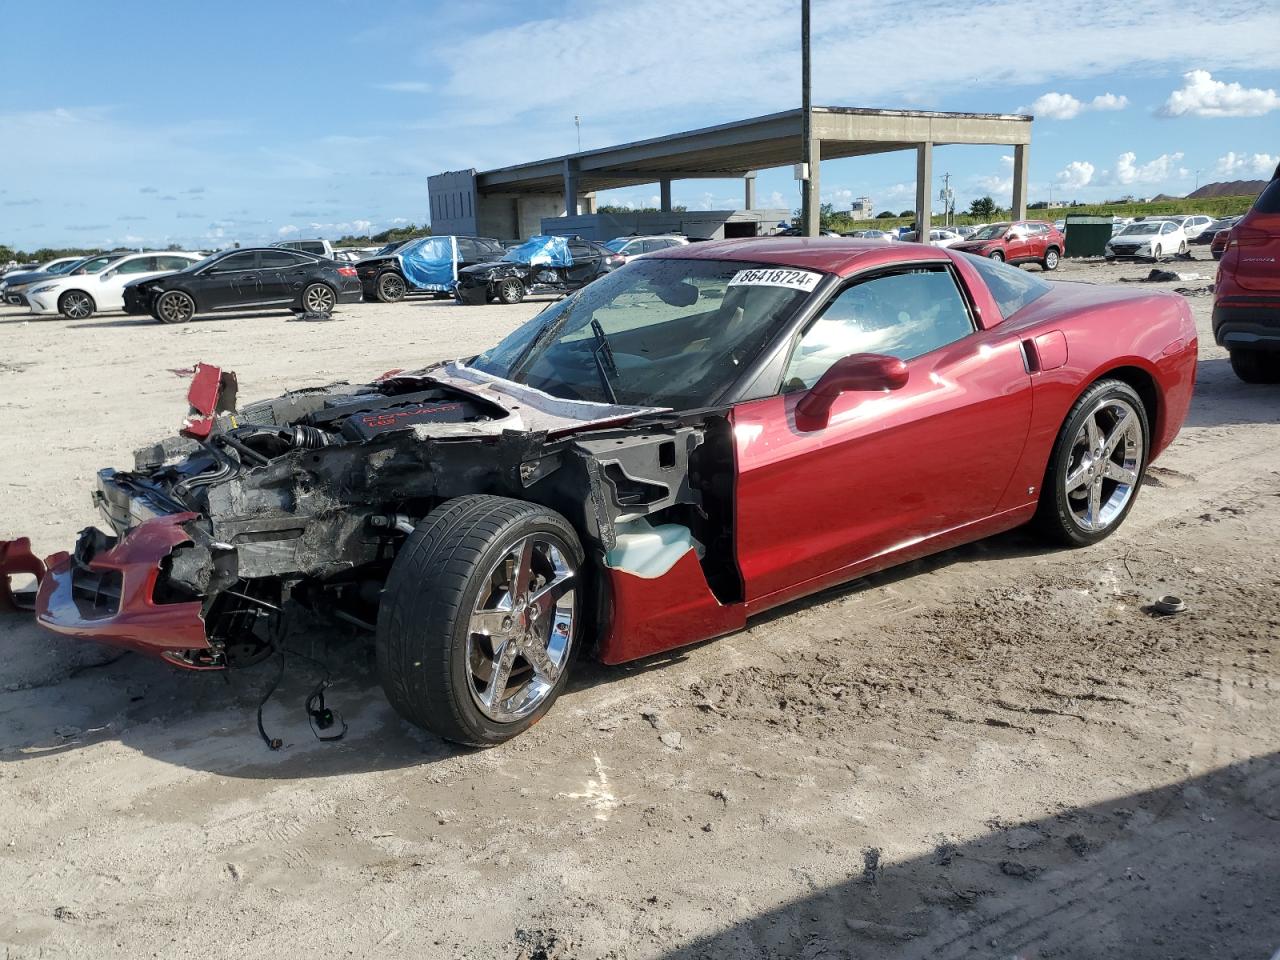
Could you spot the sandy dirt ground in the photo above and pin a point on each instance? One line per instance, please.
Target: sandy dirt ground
(995, 752)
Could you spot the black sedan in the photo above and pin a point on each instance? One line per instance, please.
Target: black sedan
(382, 275)
(508, 280)
(246, 278)
(1205, 236)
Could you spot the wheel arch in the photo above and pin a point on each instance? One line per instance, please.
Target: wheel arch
(70, 290)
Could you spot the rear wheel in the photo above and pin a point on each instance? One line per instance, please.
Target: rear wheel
(174, 306)
(1097, 465)
(510, 290)
(997, 256)
(1050, 261)
(76, 305)
(1256, 366)
(480, 618)
(390, 287)
(318, 298)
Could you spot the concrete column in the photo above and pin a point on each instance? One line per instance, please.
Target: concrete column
(1019, 211)
(589, 203)
(813, 190)
(664, 190)
(749, 191)
(924, 191)
(570, 188)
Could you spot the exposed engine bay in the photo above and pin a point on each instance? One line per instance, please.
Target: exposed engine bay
(308, 496)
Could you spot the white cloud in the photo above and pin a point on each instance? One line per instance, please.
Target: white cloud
(1162, 168)
(286, 230)
(1063, 106)
(1203, 96)
(361, 227)
(1246, 164)
(1108, 101)
(1054, 106)
(1076, 174)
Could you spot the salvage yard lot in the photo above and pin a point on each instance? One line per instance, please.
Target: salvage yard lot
(992, 751)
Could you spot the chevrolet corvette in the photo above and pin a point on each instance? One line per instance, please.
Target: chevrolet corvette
(697, 437)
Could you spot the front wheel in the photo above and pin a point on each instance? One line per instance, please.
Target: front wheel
(1182, 247)
(318, 298)
(390, 288)
(480, 618)
(1050, 261)
(1096, 467)
(1156, 254)
(76, 305)
(510, 290)
(174, 306)
(997, 256)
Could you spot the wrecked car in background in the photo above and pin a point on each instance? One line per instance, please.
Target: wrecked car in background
(698, 437)
(539, 265)
(425, 265)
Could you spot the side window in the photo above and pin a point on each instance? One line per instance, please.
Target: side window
(138, 265)
(1168, 227)
(580, 251)
(172, 263)
(468, 249)
(280, 260)
(902, 315)
(237, 261)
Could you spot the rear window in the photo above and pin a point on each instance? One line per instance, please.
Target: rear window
(1269, 200)
(1011, 287)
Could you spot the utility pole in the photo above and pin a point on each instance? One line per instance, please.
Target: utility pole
(948, 200)
(807, 215)
(577, 123)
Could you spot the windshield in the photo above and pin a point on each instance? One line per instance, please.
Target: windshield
(993, 232)
(1140, 229)
(617, 244)
(96, 264)
(664, 333)
(64, 267)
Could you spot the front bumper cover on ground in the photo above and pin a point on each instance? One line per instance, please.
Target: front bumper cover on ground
(110, 597)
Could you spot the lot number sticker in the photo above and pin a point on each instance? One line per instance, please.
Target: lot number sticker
(776, 277)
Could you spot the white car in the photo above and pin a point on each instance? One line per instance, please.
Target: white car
(98, 284)
(938, 237)
(632, 247)
(1195, 225)
(1147, 240)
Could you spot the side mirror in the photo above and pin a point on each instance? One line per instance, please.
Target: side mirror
(105, 276)
(860, 371)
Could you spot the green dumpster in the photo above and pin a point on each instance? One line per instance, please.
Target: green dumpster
(1087, 236)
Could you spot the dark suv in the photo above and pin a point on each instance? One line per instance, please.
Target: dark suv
(383, 278)
(1246, 296)
(509, 277)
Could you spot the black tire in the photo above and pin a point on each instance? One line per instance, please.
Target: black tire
(1050, 261)
(509, 290)
(174, 306)
(1182, 247)
(391, 287)
(997, 256)
(424, 618)
(1156, 254)
(76, 305)
(1256, 366)
(1054, 516)
(318, 298)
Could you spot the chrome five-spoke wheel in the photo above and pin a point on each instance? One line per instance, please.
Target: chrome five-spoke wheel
(1097, 465)
(521, 629)
(1104, 465)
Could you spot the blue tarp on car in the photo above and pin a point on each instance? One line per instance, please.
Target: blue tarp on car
(542, 252)
(431, 263)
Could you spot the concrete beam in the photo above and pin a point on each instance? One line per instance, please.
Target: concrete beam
(1019, 211)
(749, 191)
(924, 191)
(589, 203)
(813, 190)
(654, 175)
(664, 191)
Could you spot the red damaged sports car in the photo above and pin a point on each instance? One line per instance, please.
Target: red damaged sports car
(704, 434)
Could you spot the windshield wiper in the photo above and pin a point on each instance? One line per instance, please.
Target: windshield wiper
(603, 356)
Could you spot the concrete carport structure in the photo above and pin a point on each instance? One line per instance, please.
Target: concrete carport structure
(510, 201)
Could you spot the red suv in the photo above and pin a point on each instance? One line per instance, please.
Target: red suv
(1246, 297)
(1022, 241)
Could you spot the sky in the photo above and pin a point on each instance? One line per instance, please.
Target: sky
(137, 124)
